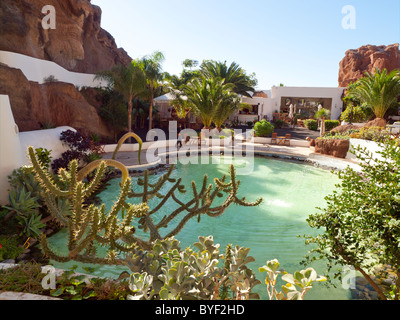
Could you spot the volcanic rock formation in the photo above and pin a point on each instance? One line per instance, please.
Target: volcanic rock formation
(367, 59)
(78, 44)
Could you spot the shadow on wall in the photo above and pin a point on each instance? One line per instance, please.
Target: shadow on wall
(13, 145)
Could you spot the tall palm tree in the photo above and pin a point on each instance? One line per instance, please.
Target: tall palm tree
(129, 81)
(234, 74)
(379, 91)
(152, 68)
(211, 100)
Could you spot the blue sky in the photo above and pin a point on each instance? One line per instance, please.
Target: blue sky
(297, 43)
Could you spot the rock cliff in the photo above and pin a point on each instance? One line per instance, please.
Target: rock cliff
(367, 59)
(78, 43)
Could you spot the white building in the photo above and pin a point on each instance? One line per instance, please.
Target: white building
(305, 100)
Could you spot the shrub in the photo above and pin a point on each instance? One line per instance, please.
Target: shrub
(279, 123)
(79, 146)
(263, 128)
(376, 134)
(331, 124)
(358, 115)
(311, 124)
(360, 221)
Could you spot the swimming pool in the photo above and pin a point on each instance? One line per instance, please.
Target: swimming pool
(290, 191)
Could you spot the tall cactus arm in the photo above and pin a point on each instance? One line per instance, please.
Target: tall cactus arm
(123, 139)
(44, 177)
(95, 164)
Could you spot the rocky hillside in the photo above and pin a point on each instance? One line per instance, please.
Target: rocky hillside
(367, 59)
(78, 44)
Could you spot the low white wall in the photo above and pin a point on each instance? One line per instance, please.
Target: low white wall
(371, 146)
(37, 70)
(293, 143)
(48, 139)
(10, 153)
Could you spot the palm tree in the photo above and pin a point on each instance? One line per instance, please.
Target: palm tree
(152, 68)
(129, 81)
(380, 90)
(211, 100)
(234, 74)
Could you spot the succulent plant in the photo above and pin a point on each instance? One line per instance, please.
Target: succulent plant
(296, 286)
(169, 273)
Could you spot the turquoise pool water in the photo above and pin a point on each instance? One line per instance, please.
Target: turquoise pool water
(291, 191)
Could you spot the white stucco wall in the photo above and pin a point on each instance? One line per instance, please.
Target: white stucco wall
(372, 147)
(309, 92)
(47, 139)
(37, 70)
(10, 153)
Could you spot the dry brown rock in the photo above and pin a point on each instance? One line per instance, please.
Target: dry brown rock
(367, 59)
(378, 122)
(333, 147)
(57, 103)
(344, 128)
(78, 43)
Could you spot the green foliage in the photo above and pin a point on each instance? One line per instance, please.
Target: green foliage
(22, 202)
(113, 110)
(380, 91)
(355, 114)
(263, 128)
(211, 100)
(322, 114)
(360, 222)
(44, 157)
(169, 273)
(311, 124)
(377, 134)
(10, 248)
(331, 124)
(31, 225)
(296, 286)
(24, 179)
(73, 287)
(243, 83)
(25, 277)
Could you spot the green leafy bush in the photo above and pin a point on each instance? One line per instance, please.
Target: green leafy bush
(331, 124)
(358, 115)
(263, 128)
(359, 223)
(311, 124)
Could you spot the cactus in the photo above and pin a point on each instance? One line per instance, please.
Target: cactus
(123, 139)
(90, 225)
